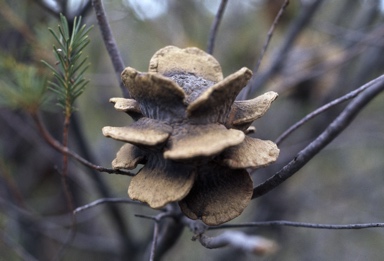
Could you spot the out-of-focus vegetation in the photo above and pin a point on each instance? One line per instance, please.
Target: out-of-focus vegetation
(340, 47)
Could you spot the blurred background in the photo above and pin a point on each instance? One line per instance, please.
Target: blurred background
(320, 50)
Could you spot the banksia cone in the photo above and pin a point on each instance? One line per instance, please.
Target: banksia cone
(190, 134)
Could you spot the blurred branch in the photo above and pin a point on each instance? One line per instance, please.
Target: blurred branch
(373, 38)
(215, 26)
(353, 36)
(299, 224)
(7, 179)
(325, 107)
(330, 133)
(251, 244)
(19, 250)
(245, 93)
(16, 22)
(110, 43)
(294, 31)
(56, 145)
(118, 221)
(56, 231)
(236, 239)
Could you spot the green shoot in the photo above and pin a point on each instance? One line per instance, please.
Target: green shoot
(71, 65)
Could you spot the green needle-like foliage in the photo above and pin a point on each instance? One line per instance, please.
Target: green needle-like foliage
(69, 73)
(22, 87)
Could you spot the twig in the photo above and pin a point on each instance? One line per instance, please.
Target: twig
(365, 40)
(154, 241)
(53, 231)
(157, 220)
(104, 201)
(266, 43)
(253, 244)
(110, 43)
(215, 26)
(56, 145)
(67, 191)
(325, 107)
(299, 224)
(330, 133)
(296, 28)
(127, 250)
(117, 219)
(196, 226)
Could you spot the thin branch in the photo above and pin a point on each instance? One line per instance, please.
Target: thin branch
(294, 31)
(215, 26)
(157, 220)
(117, 220)
(330, 133)
(266, 43)
(104, 201)
(252, 244)
(56, 232)
(299, 224)
(18, 249)
(325, 107)
(56, 145)
(352, 35)
(154, 241)
(110, 43)
(169, 231)
(365, 40)
(22, 27)
(270, 33)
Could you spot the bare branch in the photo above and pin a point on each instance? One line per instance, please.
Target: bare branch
(270, 33)
(56, 231)
(325, 107)
(154, 241)
(110, 43)
(157, 220)
(296, 28)
(299, 224)
(331, 132)
(56, 145)
(252, 244)
(215, 26)
(104, 201)
(266, 43)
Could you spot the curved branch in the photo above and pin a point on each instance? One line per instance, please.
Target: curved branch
(331, 132)
(325, 107)
(110, 43)
(165, 234)
(215, 26)
(104, 201)
(56, 145)
(16, 248)
(245, 93)
(252, 244)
